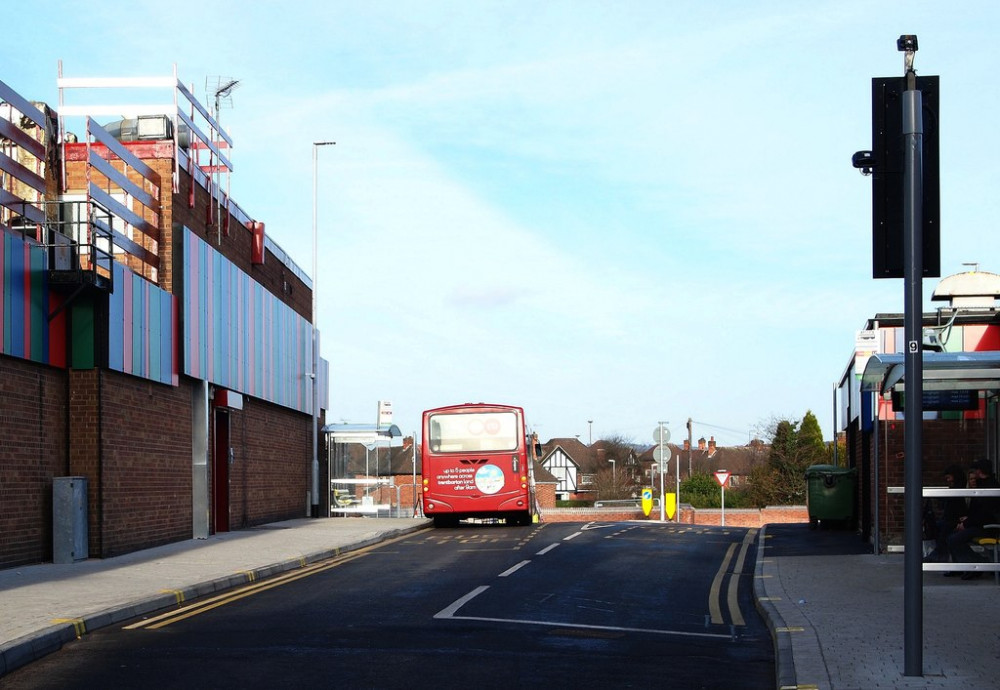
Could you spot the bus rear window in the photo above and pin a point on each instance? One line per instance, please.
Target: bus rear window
(473, 433)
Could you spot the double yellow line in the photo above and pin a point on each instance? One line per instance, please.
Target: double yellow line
(186, 612)
(732, 598)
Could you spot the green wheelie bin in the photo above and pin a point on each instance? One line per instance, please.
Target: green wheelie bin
(830, 494)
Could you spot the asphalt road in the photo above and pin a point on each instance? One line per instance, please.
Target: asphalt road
(553, 605)
(798, 539)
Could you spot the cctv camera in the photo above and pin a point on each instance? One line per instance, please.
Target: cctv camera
(863, 161)
(906, 43)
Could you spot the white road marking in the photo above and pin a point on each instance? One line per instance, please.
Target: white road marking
(714, 602)
(449, 611)
(513, 569)
(611, 628)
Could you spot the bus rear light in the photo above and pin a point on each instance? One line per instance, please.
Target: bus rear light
(430, 506)
(426, 482)
(426, 489)
(524, 486)
(520, 503)
(524, 479)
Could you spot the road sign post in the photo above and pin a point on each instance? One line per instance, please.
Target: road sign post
(722, 476)
(661, 435)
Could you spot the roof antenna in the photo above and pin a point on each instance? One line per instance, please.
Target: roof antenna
(221, 91)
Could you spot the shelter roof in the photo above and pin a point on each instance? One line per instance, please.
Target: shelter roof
(941, 371)
(361, 433)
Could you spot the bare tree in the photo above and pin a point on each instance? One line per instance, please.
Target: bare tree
(619, 460)
(611, 485)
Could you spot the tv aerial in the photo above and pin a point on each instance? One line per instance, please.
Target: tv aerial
(220, 91)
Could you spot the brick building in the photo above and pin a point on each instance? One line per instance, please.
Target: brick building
(961, 366)
(155, 341)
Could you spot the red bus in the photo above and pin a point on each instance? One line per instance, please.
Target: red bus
(477, 463)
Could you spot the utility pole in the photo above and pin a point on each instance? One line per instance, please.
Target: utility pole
(689, 448)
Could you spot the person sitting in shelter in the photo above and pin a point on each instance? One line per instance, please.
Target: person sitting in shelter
(983, 510)
(946, 512)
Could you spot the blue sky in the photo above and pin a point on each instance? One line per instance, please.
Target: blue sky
(625, 212)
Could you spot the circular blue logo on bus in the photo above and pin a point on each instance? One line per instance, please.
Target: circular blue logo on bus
(489, 479)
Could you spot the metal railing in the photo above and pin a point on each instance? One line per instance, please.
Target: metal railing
(944, 492)
(365, 497)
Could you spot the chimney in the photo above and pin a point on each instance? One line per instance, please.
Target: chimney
(687, 444)
(407, 442)
(711, 445)
(701, 443)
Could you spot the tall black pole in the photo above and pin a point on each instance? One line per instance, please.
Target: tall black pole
(913, 132)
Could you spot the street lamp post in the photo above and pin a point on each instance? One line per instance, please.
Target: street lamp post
(315, 334)
(590, 432)
(614, 474)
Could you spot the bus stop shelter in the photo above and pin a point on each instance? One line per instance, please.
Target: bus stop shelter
(951, 381)
(349, 495)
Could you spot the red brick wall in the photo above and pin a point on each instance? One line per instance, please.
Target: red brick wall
(272, 464)
(84, 444)
(146, 456)
(689, 516)
(945, 442)
(32, 452)
(545, 493)
(746, 518)
(409, 495)
(131, 438)
(138, 461)
(590, 515)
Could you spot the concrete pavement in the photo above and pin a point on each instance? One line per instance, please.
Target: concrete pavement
(44, 606)
(835, 612)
